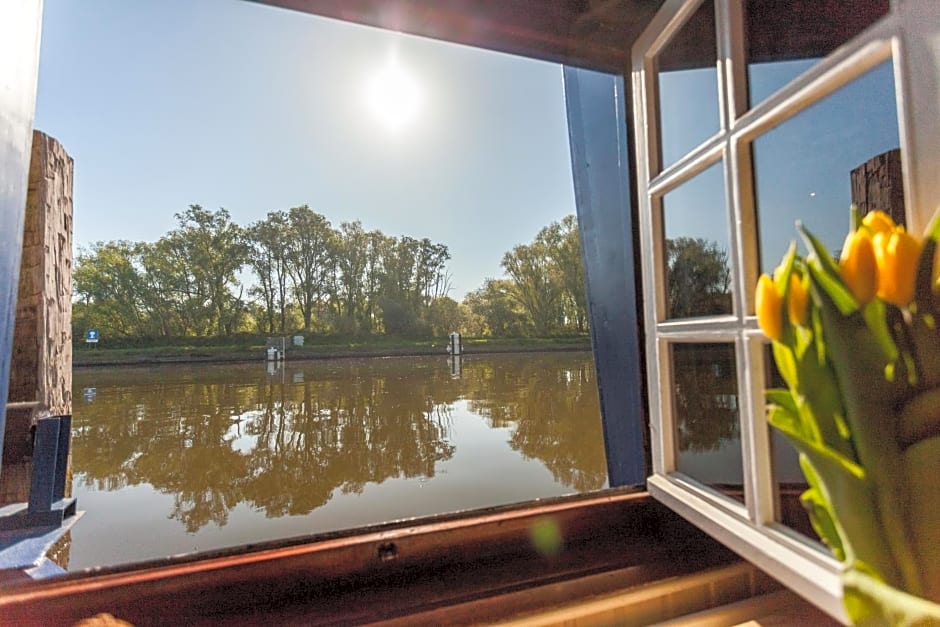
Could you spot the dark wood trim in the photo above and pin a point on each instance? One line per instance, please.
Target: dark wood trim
(388, 572)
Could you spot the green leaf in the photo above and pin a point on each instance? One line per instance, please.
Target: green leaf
(875, 314)
(782, 273)
(933, 229)
(787, 420)
(784, 398)
(825, 273)
(823, 403)
(820, 512)
(786, 364)
(872, 602)
(852, 504)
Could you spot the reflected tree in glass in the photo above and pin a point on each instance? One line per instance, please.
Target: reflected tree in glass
(699, 280)
(705, 407)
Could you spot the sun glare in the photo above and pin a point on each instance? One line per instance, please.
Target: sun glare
(393, 97)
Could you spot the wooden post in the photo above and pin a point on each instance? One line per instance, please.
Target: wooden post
(877, 184)
(41, 368)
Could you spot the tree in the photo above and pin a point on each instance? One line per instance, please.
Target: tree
(307, 247)
(499, 311)
(107, 286)
(351, 254)
(698, 278)
(267, 256)
(444, 316)
(564, 248)
(196, 266)
(535, 285)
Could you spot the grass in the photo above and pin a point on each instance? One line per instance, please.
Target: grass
(314, 348)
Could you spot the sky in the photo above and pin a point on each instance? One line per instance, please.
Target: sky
(226, 103)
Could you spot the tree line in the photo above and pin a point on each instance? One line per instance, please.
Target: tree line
(292, 271)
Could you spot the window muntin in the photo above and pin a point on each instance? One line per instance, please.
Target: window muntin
(755, 530)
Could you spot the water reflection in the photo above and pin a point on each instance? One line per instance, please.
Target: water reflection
(333, 444)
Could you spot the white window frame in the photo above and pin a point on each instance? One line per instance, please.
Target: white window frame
(909, 36)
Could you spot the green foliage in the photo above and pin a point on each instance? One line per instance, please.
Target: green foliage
(544, 292)
(309, 276)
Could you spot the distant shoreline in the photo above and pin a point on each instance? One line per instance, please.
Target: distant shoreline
(170, 355)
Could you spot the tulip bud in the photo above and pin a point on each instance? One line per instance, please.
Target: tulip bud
(769, 307)
(878, 221)
(798, 301)
(896, 254)
(858, 266)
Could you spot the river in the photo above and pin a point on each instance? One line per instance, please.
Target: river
(175, 459)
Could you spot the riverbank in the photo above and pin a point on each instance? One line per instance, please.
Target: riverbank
(385, 347)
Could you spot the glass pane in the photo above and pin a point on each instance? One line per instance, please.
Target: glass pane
(783, 44)
(695, 228)
(705, 402)
(841, 150)
(688, 86)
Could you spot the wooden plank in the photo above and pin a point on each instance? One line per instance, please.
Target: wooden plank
(383, 572)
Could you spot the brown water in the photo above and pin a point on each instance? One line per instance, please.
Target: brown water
(176, 459)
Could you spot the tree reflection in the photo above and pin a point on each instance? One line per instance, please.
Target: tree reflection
(554, 409)
(215, 437)
(705, 395)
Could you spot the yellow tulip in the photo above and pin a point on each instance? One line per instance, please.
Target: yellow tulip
(858, 265)
(878, 221)
(896, 253)
(798, 301)
(769, 307)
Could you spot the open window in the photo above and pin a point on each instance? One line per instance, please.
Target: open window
(749, 116)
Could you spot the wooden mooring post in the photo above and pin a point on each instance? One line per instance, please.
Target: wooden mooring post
(877, 184)
(41, 365)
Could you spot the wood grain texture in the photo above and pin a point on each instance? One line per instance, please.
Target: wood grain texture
(389, 571)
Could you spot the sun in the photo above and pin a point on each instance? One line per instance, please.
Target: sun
(393, 97)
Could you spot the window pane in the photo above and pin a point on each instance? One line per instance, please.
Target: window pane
(688, 86)
(695, 228)
(813, 166)
(781, 44)
(705, 402)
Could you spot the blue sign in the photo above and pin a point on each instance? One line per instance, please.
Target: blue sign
(91, 336)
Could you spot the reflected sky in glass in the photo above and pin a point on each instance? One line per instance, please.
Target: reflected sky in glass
(766, 78)
(688, 86)
(698, 208)
(802, 167)
(688, 110)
